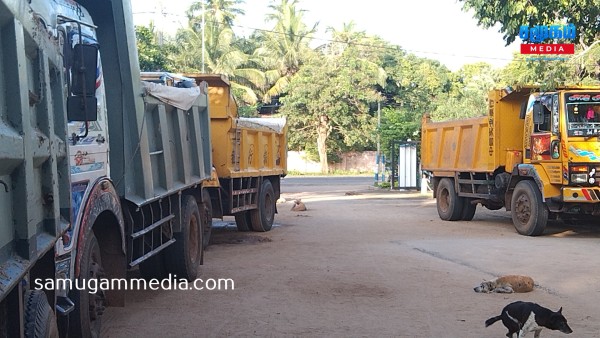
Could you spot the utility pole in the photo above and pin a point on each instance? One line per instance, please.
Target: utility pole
(378, 154)
(203, 29)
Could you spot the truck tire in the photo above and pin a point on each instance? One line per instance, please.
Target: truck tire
(206, 218)
(184, 257)
(468, 210)
(40, 320)
(449, 204)
(529, 213)
(263, 216)
(242, 221)
(86, 319)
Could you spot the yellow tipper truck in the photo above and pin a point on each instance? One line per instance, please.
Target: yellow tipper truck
(537, 154)
(249, 155)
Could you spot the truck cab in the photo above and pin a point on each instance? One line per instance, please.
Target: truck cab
(562, 140)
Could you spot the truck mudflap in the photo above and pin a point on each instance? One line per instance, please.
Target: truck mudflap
(581, 195)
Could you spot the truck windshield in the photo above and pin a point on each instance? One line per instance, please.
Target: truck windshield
(583, 114)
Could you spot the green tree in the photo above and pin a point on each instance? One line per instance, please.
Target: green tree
(512, 14)
(468, 97)
(222, 54)
(285, 46)
(328, 102)
(584, 67)
(414, 86)
(152, 56)
(222, 12)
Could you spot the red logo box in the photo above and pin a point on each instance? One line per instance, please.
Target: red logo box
(548, 48)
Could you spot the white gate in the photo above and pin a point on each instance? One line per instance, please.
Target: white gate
(407, 166)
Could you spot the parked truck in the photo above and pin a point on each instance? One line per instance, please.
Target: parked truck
(536, 154)
(99, 172)
(249, 154)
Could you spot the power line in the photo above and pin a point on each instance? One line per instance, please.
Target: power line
(343, 42)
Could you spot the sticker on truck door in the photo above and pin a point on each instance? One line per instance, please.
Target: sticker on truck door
(540, 147)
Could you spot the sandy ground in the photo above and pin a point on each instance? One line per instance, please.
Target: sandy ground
(373, 263)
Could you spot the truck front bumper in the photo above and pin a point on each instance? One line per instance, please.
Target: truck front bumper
(581, 195)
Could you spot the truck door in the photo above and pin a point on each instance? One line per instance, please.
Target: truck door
(544, 142)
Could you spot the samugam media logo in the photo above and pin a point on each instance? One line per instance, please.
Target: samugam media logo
(534, 36)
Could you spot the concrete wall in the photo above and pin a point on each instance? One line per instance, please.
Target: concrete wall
(353, 161)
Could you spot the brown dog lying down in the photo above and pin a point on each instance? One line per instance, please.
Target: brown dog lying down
(506, 284)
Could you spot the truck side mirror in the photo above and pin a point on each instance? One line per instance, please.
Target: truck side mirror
(82, 104)
(538, 113)
(85, 63)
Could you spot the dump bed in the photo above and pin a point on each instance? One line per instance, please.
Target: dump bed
(479, 144)
(34, 171)
(242, 147)
(166, 145)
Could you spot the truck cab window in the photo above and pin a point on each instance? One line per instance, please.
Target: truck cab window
(574, 113)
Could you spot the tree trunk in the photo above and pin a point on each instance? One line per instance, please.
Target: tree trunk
(323, 130)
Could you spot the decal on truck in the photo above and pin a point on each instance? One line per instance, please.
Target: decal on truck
(77, 193)
(584, 153)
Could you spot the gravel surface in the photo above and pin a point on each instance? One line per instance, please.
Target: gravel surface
(364, 262)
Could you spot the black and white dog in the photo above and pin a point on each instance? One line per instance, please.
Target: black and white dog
(523, 317)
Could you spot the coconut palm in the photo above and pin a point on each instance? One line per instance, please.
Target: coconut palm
(219, 11)
(221, 53)
(367, 49)
(285, 47)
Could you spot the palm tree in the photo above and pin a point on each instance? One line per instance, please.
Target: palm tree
(285, 46)
(221, 53)
(222, 12)
(343, 38)
(367, 48)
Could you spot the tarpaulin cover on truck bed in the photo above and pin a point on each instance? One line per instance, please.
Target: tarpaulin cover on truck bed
(270, 124)
(182, 98)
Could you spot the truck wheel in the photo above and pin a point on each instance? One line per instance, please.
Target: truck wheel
(529, 213)
(263, 216)
(183, 257)
(206, 217)
(468, 210)
(449, 204)
(242, 221)
(85, 319)
(40, 320)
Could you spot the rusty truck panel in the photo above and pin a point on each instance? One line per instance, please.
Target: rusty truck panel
(480, 144)
(35, 202)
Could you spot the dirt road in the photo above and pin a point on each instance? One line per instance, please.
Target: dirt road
(371, 263)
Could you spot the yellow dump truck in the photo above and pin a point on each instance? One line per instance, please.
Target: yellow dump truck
(249, 155)
(537, 154)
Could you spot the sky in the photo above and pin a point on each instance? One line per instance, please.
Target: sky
(436, 29)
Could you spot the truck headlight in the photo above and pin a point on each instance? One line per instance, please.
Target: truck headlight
(579, 178)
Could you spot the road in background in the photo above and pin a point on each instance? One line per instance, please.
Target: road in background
(368, 262)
